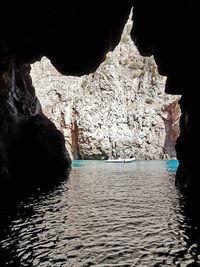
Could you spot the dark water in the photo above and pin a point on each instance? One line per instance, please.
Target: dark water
(104, 215)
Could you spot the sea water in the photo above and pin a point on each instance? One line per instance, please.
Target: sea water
(104, 214)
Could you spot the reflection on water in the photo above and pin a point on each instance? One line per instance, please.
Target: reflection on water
(171, 165)
(104, 215)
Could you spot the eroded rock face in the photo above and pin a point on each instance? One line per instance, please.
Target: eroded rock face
(120, 110)
(168, 43)
(30, 145)
(162, 29)
(171, 117)
(32, 150)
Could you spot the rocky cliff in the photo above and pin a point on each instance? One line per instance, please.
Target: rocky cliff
(120, 110)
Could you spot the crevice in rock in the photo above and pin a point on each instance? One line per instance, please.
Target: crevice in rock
(171, 117)
(75, 137)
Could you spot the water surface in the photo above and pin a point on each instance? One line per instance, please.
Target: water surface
(105, 214)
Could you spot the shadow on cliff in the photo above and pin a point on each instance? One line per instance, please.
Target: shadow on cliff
(37, 160)
(171, 116)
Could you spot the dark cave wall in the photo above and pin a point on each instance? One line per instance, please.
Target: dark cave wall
(168, 31)
(32, 150)
(76, 36)
(187, 145)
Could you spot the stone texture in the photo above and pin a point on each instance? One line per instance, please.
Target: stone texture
(120, 110)
(166, 30)
(32, 150)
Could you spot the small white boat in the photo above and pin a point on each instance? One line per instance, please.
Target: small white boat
(120, 160)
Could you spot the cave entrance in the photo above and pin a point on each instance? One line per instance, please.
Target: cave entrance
(121, 109)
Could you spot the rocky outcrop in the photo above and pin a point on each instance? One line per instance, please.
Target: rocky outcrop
(187, 143)
(120, 110)
(175, 53)
(32, 150)
(76, 37)
(171, 117)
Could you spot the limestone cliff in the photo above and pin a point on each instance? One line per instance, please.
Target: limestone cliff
(120, 110)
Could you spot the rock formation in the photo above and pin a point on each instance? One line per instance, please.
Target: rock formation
(168, 43)
(119, 110)
(32, 149)
(76, 37)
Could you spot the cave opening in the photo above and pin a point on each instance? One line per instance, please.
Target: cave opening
(120, 110)
(79, 52)
(103, 214)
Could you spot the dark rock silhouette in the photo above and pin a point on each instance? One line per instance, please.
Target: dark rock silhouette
(76, 37)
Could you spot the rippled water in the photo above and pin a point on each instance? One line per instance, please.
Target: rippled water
(104, 215)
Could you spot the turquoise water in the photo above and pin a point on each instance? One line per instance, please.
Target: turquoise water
(105, 214)
(171, 165)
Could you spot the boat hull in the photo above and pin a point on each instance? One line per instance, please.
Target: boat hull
(119, 160)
